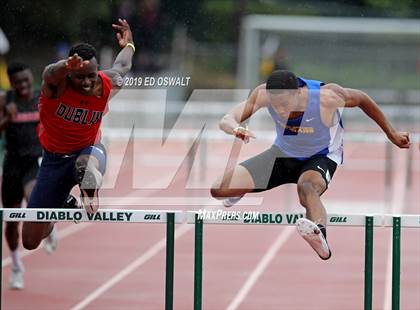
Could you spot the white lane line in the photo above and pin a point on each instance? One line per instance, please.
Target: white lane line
(155, 249)
(262, 265)
(397, 206)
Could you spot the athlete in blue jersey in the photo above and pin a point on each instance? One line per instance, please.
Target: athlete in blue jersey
(307, 149)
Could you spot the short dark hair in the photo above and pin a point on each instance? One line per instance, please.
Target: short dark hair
(84, 50)
(282, 79)
(16, 67)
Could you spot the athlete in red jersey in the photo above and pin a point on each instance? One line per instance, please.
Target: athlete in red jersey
(74, 117)
(74, 98)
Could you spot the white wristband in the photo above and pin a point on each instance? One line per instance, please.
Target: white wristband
(131, 45)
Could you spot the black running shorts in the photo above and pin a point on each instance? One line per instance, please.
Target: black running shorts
(272, 168)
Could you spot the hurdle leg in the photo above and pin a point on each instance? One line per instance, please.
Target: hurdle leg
(198, 263)
(170, 237)
(368, 262)
(396, 262)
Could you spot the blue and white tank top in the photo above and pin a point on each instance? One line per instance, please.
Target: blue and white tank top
(307, 136)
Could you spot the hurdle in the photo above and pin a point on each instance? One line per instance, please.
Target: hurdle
(397, 222)
(362, 220)
(102, 216)
(198, 219)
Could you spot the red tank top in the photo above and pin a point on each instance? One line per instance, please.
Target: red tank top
(71, 122)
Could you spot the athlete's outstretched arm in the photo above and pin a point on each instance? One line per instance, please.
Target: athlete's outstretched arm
(123, 62)
(358, 98)
(56, 73)
(230, 123)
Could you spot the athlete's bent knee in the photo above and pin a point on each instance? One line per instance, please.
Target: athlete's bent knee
(29, 242)
(216, 192)
(82, 161)
(220, 192)
(31, 236)
(306, 190)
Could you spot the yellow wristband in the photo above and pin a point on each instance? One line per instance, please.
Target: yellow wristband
(131, 45)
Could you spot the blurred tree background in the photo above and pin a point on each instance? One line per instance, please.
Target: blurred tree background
(41, 31)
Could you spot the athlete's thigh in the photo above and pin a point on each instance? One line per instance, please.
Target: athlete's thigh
(34, 230)
(269, 169)
(235, 178)
(319, 171)
(54, 182)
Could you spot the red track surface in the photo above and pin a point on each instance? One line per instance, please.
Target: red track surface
(295, 279)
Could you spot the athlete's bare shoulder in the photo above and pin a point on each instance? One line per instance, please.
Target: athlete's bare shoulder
(259, 96)
(333, 95)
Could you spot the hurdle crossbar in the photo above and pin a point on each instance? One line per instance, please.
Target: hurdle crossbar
(104, 216)
(202, 217)
(264, 218)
